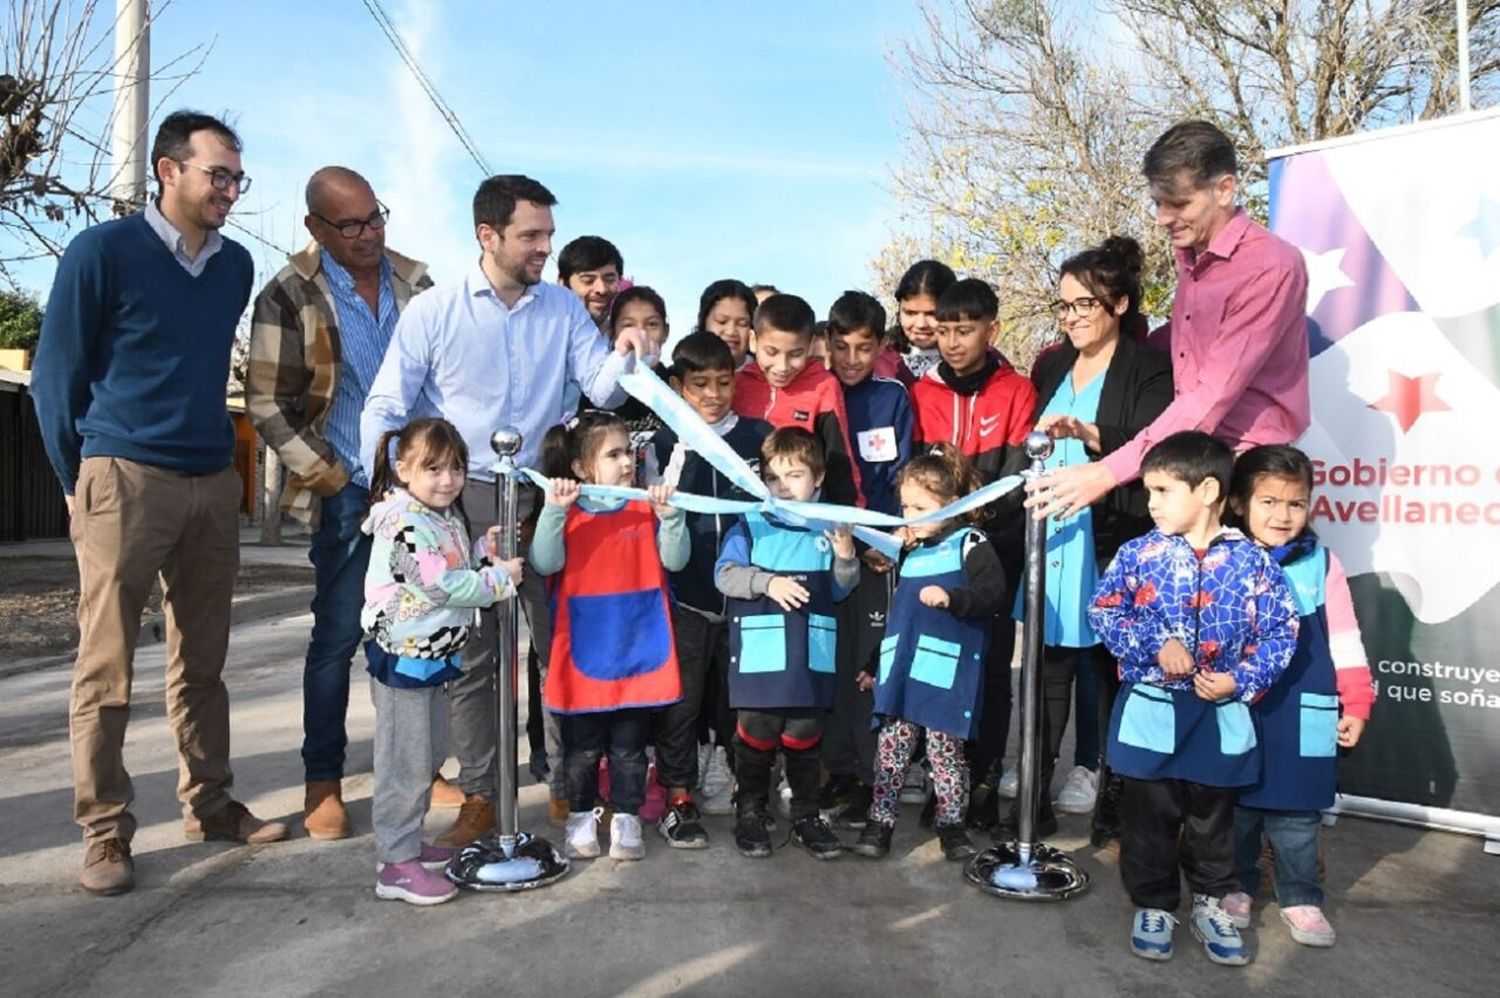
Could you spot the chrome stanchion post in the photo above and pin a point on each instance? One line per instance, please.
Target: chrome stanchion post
(507, 859)
(1027, 869)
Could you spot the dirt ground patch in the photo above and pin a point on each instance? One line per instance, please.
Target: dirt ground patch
(39, 601)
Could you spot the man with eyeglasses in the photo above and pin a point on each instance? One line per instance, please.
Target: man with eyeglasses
(320, 332)
(1238, 334)
(129, 387)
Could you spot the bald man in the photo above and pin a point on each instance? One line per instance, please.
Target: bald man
(320, 331)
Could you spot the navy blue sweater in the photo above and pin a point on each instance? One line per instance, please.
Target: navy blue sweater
(880, 431)
(134, 354)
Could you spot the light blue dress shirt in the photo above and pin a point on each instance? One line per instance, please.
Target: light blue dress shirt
(168, 234)
(459, 352)
(363, 338)
(1072, 565)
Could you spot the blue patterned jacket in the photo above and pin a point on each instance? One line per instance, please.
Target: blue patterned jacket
(1232, 609)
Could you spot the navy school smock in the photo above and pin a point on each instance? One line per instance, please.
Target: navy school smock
(1157, 733)
(780, 659)
(1299, 714)
(931, 661)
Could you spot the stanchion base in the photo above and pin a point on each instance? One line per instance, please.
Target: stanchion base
(1050, 875)
(485, 865)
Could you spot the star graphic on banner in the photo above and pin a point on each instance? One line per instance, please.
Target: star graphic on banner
(1409, 398)
(1324, 275)
(1484, 228)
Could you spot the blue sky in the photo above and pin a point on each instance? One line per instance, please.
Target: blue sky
(706, 140)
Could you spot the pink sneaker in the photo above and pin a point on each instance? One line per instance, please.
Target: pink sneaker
(1237, 907)
(655, 804)
(413, 883)
(1308, 925)
(435, 857)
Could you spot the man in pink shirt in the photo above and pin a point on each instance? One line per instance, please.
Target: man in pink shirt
(1238, 333)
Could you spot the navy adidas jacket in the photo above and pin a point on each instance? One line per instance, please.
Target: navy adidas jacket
(881, 426)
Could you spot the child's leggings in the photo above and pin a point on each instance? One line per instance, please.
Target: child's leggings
(950, 772)
(411, 735)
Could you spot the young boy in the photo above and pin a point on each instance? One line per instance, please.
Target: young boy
(783, 584)
(785, 387)
(702, 373)
(1202, 622)
(880, 428)
(976, 401)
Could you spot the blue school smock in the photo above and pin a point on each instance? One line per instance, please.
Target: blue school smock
(1072, 560)
(931, 661)
(780, 660)
(1157, 733)
(1299, 715)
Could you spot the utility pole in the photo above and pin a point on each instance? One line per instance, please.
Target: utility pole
(132, 105)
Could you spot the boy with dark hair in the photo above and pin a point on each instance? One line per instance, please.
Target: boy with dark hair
(976, 401)
(702, 372)
(881, 425)
(783, 584)
(591, 267)
(786, 387)
(1202, 622)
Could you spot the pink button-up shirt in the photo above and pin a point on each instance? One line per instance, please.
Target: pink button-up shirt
(1238, 339)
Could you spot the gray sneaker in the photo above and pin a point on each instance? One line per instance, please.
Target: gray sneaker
(1215, 930)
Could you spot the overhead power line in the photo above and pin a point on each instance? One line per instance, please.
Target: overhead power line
(377, 11)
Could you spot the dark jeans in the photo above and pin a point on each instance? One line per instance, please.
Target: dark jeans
(702, 649)
(586, 737)
(988, 749)
(1171, 829)
(1294, 839)
(758, 734)
(1060, 667)
(849, 742)
(340, 553)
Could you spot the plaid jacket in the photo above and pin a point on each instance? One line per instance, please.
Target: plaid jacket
(293, 369)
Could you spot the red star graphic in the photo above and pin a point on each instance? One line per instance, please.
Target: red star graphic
(1409, 398)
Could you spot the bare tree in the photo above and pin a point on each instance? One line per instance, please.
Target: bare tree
(55, 113)
(1029, 117)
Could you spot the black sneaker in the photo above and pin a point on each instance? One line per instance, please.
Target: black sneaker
(835, 793)
(856, 813)
(1009, 827)
(814, 835)
(750, 834)
(984, 807)
(875, 841)
(955, 843)
(681, 826)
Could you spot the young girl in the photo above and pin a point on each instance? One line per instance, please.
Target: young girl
(421, 590)
(1318, 706)
(917, 296)
(640, 307)
(613, 656)
(726, 310)
(932, 658)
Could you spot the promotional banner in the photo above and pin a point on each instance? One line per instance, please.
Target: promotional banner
(1401, 233)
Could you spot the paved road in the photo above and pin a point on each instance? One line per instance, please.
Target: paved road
(1416, 911)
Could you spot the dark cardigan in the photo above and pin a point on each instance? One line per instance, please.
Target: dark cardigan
(1137, 387)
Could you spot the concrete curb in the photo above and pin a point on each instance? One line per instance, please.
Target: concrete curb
(281, 603)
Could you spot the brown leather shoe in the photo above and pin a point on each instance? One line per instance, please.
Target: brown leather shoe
(324, 815)
(107, 867)
(233, 823)
(557, 811)
(475, 817)
(445, 793)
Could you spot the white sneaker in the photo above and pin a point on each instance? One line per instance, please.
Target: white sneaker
(583, 834)
(625, 837)
(914, 786)
(1079, 789)
(705, 753)
(1010, 783)
(717, 796)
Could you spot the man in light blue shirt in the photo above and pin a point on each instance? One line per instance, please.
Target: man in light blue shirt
(499, 348)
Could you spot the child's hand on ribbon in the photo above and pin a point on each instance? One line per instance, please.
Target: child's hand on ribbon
(788, 594)
(661, 499)
(842, 537)
(562, 492)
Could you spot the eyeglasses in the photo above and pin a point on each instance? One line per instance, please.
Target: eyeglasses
(355, 228)
(221, 178)
(1081, 307)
